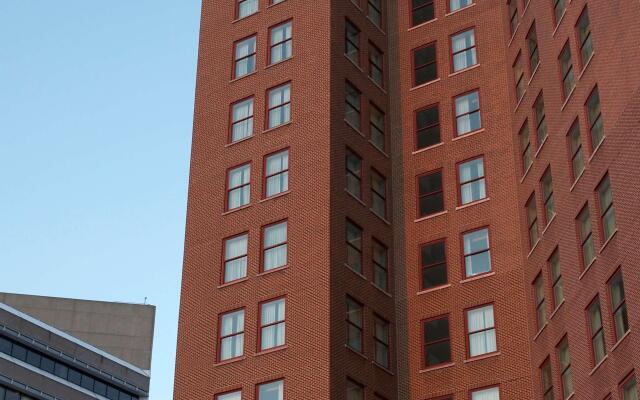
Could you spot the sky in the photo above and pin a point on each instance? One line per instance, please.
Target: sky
(96, 112)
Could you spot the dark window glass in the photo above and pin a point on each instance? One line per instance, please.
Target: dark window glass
(19, 352)
(11, 395)
(532, 41)
(112, 393)
(424, 65)
(513, 15)
(558, 10)
(33, 359)
(584, 36)
(421, 11)
(427, 127)
(434, 265)
(100, 388)
(566, 67)
(594, 115)
(5, 346)
(437, 349)
(48, 365)
(61, 371)
(124, 396)
(87, 382)
(75, 376)
(430, 196)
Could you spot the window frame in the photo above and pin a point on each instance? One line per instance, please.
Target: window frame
(525, 153)
(514, 15)
(452, 54)
(358, 109)
(417, 130)
(373, 126)
(380, 12)
(262, 327)
(627, 379)
(413, 9)
(588, 37)
(225, 261)
(450, 11)
(383, 196)
(414, 68)
(228, 392)
(556, 281)
(348, 245)
(603, 212)
(540, 303)
(599, 117)
(564, 75)
(432, 265)
(577, 153)
(547, 198)
(349, 172)
(259, 385)
(541, 121)
(263, 248)
(232, 123)
(468, 333)
(471, 181)
(600, 331)
(463, 255)
(356, 45)
(375, 264)
(424, 343)
(480, 389)
(220, 337)
(589, 237)
(237, 16)
(532, 33)
(456, 116)
(228, 189)
(269, 108)
(546, 390)
(349, 324)
(519, 80)
(562, 370)
(356, 383)
(271, 45)
(380, 68)
(557, 19)
(619, 307)
(266, 177)
(420, 196)
(378, 341)
(235, 60)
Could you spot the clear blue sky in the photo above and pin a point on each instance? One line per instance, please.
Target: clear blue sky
(96, 109)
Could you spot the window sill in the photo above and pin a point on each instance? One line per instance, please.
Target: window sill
(526, 7)
(584, 69)
(478, 277)
(533, 248)
(381, 290)
(465, 135)
(433, 146)
(353, 62)
(524, 176)
(533, 74)
(238, 141)
(482, 357)
(553, 314)
(353, 196)
(464, 69)
(229, 361)
(271, 350)
(619, 342)
(230, 283)
(595, 151)
(593, 371)
(548, 225)
(437, 367)
(274, 270)
(277, 62)
(606, 243)
(381, 218)
(541, 146)
(540, 331)
(243, 76)
(357, 352)
(359, 274)
(473, 203)
(275, 196)
(236, 209)
(459, 10)
(245, 17)
(559, 22)
(354, 128)
(513, 35)
(569, 96)
(376, 84)
(382, 367)
(381, 151)
(425, 84)
(430, 216)
(433, 289)
(520, 100)
(571, 396)
(268, 130)
(422, 24)
(588, 268)
(576, 181)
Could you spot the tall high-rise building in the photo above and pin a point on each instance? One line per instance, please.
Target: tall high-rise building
(413, 200)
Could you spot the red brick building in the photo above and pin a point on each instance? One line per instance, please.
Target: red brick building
(416, 199)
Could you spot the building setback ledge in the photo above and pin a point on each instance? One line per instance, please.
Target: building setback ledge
(615, 346)
(553, 314)
(593, 371)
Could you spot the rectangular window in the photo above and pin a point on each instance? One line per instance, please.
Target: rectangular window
(618, 305)
(436, 341)
(271, 391)
(241, 120)
(430, 194)
(541, 309)
(556, 278)
(532, 220)
(597, 332)
(564, 360)
(514, 20)
(532, 44)
(355, 391)
(518, 76)
(374, 12)
(381, 341)
(378, 194)
(244, 57)
(235, 258)
(434, 264)
(547, 194)
(421, 11)
(471, 180)
(231, 335)
(376, 127)
(275, 1)
(425, 66)
(246, 8)
(353, 164)
(575, 146)
(477, 255)
(594, 115)
(541, 123)
(463, 50)
(583, 30)
(628, 388)
(376, 65)
(486, 394)
(427, 127)
(481, 331)
(607, 214)
(237, 395)
(380, 264)
(525, 147)
(352, 106)
(455, 5)
(276, 173)
(559, 7)
(280, 45)
(352, 42)
(586, 237)
(467, 109)
(272, 324)
(238, 186)
(354, 246)
(354, 324)
(566, 68)
(279, 105)
(274, 246)
(547, 380)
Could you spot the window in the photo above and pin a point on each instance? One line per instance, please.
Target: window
(274, 246)
(427, 127)
(594, 115)
(271, 391)
(354, 246)
(564, 360)
(381, 341)
(235, 258)
(513, 16)
(434, 264)
(430, 194)
(559, 7)
(231, 335)
(629, 389)
(458, 4)
(575, 145)
(477, 256)
(481, 331)
(380, 264)
(607, 215)
(532, 220)
(279, 105)
(374, 11)
(245, 57)
(541, 124)
(518, 75)
(547, 194)
(280, 46)
(238, 186)
(467, 108)
(566, 68)
(376, 65)
(525, 147)
(597, 333)
(618, 305)
(246, 8)
(352, 106)
(230, 396)
(376, 127)
(378, 194)
(242, 120)
(352, 42)
(436, 341)
(355, 391)
(486, 394)
(276, 173)
(421, 11)
(586, 237)
(425, 67)
(541, 309)
(353, 164)
(354, 324)
(272, 324)
(472, 182)
(547, 380)
(556, 278)
(532, 44)
(583, 29)
(275, 1)
(463, 50)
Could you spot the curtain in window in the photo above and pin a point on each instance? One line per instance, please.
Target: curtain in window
(236, 268)
(271, 391)
(230, 396)
(277, 183)
(247, 7)
(245, 56)
(282, 51)
(232, 346)
(279, 112)
(273, 334)
(476, 242)
(487, 394)
(463, 59)
(472, 170)
(467, 114)
(275, 254)
(242, 112)
(484, 341)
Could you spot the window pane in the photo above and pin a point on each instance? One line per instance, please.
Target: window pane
(629, 390)
(247, 7)
(230, 396)
(354, 391)
(427, 127)
(271, 391)
(476, 250)
(242, 114)
(486, 394)
(245, 57)
(467, 113)
(422, 11)
(457, 4)
(471, 175)
(463, 50)
(424, 62)
(280, 42)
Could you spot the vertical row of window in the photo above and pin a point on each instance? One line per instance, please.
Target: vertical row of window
(353, 170)
(354, 258)
(374, 11)
(355, 322)
(352, 50)
(280, 48)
